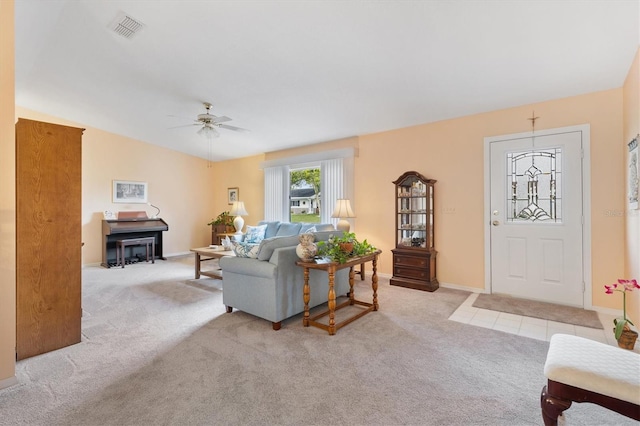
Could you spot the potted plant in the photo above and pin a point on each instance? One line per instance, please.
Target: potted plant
(223, 219)
(342, 248)
(624, 335)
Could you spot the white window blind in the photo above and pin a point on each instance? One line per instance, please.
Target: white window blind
(276, 193)
(331, 182)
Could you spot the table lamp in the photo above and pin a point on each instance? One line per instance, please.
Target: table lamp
(238, 210)
(343, 211)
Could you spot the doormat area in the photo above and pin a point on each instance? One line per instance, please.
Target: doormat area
(535, 309)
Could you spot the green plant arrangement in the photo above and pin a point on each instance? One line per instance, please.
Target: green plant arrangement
(340, 249)
(223, 218)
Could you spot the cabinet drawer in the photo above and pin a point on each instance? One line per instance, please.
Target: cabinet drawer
(420, 274)
(416, 262)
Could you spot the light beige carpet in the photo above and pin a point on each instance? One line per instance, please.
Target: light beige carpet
(535, 309)
(158, 348)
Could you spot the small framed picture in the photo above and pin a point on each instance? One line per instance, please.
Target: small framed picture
(233, 194)
(126, 191)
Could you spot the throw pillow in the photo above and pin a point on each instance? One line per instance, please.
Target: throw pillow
(255, 234)
(246, 250)
(311, 230)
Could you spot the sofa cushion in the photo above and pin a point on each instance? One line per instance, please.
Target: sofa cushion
(325, 227)
(324, 235)
(255, 234)
(287, 229)
(306, 227)
(268, 245)
(272, 228)
(246, 250)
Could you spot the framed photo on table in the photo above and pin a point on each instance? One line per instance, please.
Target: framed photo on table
(126, 191)
(233, 194)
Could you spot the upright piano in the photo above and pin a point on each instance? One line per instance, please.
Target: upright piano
(130, 225)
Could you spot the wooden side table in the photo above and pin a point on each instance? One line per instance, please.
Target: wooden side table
(207, 253)
(331, 268)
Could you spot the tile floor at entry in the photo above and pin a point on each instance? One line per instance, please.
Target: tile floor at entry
(534, 328)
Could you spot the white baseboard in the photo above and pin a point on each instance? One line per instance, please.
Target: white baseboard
(462, 287)
(7, 383)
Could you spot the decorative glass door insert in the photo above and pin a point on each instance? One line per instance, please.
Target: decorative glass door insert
(535, 179)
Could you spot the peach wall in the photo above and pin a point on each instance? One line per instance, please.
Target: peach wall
(631, 92)
(7, 197)
(246, 175)
(451, 151)
(179, 184)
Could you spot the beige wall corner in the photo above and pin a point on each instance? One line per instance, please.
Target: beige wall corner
(7, 197)
(631, 106)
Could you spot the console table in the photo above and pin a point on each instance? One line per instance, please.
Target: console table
(331, 268)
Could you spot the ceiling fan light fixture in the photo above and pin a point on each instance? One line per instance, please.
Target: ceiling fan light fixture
(208, 131)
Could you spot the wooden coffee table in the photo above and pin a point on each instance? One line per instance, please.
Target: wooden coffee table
(207, 253)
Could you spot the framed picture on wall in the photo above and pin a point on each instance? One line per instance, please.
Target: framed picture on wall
(126, 191)
(634, 173)
(233, 194)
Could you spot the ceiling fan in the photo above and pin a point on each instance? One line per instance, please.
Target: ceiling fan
(210, 123)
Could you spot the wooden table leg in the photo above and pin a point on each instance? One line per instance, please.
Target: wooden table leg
(374, 282)
(352, 275)
(332, 300)
(306, 298)
(197, 265)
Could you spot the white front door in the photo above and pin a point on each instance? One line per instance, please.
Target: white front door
(536, 217)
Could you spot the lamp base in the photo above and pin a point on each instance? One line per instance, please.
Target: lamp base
(238, 223)
(343, 225)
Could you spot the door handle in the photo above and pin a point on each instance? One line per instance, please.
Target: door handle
(495, 223)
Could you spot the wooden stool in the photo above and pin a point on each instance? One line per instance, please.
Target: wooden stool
(146, 241)
(583, 370)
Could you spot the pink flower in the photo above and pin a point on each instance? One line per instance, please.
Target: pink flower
(626, 285)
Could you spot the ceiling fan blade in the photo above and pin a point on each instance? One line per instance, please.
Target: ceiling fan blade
(234, 128)
(185, 125)
(177, 116)
(221, 119)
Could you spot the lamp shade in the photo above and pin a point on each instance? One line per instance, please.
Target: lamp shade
(343, 209)
(237, 209)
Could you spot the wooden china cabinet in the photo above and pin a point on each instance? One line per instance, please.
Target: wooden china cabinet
(414, 258)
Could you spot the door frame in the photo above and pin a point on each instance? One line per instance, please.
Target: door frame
(587, 295)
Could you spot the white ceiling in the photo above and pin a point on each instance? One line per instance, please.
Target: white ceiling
(302, 72)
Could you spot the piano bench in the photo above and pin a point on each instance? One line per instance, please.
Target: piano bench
(146, 241)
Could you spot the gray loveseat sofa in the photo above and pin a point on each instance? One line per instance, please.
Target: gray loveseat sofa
(271, 285)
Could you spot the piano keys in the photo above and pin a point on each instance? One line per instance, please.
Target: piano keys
(130, 225)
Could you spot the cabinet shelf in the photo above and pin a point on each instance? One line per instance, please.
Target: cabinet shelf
(414, 258)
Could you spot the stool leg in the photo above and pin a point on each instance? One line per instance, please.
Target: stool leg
(146, 247)
(552, 407)
(153, 251)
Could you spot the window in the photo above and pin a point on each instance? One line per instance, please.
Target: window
(306, 193)
(336, 181)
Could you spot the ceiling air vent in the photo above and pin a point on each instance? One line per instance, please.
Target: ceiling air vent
(126, 26)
